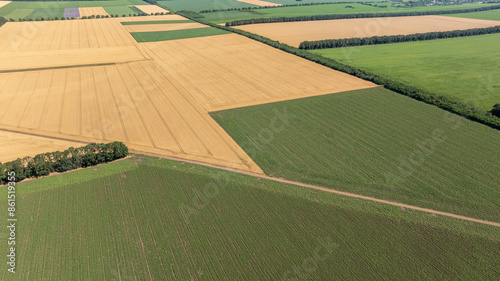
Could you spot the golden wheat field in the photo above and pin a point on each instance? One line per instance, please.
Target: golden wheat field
(12, 143)
(260, 3)
(154, 97)
(227, 71)
(293, 33)
(148, 9)
(150, 18)
(89, 11)
(3, 3)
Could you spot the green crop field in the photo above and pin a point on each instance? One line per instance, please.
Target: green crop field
(120, 10)
(464, 69)
(354, 8)
(376, 143)
(485, 15)
(176, 34)
(155, 22)
(148, 219)
(51, 9)
(198, 5)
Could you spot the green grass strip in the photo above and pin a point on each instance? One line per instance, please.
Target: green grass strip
(176, 34)
(155, 22)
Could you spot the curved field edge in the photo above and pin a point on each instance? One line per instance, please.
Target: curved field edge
(131, 223)
(376, 143)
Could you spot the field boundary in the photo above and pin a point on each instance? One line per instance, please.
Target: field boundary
(330, 190)
(59, 67)
(390, 39)
(450, 105)
(356, 16)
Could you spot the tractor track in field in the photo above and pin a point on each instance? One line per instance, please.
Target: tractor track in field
(326, 189)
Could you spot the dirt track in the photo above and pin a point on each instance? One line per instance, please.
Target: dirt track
(293, 33)
(89, 11)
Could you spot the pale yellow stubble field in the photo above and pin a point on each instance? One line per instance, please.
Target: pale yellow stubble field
(293, 33)
(90, 11)
(159, 104)
(228, 71)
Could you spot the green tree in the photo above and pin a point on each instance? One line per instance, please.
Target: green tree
(496, 110)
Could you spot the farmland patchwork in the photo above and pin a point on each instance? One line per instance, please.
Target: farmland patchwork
(155, 97)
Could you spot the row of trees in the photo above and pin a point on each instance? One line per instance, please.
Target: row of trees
(2, 21)
(70, 159)
(445, 103)
(270, 7)
(353, 16)
(89, 17)
(348, 42)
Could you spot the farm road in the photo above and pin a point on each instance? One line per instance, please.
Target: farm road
(343, 193)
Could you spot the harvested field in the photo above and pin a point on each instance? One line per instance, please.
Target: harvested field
(3, 3)
(150, 18)
(63, 35)
(73, 57)
(206, 68)
(163, 27)
(159, 104)
(12, 143)
(65, 43)
(86, 12)
(259, 3)
(293, 33)
(148, 9)
(133, 102)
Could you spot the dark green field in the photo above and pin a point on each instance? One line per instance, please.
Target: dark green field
(464, 69)
(154, 22)
(176, 34)
(144, 218)
(377, 143)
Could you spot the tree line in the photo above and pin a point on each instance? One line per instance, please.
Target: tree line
(442, 102)
(374, 40)
(356, 16)
(2, 21)
(271, 7)
(70, 159)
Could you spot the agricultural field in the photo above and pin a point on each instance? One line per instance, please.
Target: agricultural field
(343, 8)
(92, 11)
(11, 143)
(151, 9)
(463, 69)
(86, 42)
(376, 143)
(171, 27)
(206, 68)
(154, 33)
(198, 5)
(485, 15)
(159, 225)
(142, 101)
(293, 33)
(155, 22)
(52, 9)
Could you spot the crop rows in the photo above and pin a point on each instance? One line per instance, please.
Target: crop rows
(376, 143)
(130, 225)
